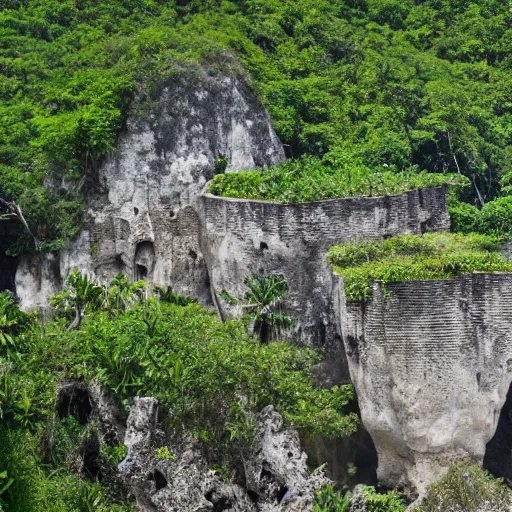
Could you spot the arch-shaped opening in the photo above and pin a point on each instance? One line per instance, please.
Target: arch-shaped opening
(498, 454)
(74, 400)
(144, 261)
(263, 246)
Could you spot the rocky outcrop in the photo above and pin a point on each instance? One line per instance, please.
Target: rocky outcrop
(278, 472)
(142, 217)
(432, 365)
(257, 237)
(277, 477)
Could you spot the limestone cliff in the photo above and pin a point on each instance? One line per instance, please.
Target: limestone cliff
(258, 237)
(432, 365)
(142, 217)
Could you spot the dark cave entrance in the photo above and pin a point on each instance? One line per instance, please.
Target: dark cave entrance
(144, 261)
(8, 267)
(142, 273)
(8, 264)
(498, 454)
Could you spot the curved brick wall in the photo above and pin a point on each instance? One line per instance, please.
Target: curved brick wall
(255, 237)
(432, 365)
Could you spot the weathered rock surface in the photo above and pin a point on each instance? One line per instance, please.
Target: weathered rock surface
(358, 500)
(277, 476)
(142, 216)
(432, 365)
(257, 237)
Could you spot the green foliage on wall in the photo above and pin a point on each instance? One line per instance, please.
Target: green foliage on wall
(312, 179)
(413, 257)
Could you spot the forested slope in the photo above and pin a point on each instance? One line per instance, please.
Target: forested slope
(387, 83)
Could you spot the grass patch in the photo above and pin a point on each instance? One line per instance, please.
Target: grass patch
(312, 179)
(413, 257)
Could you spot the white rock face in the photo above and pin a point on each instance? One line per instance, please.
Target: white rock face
(432, 365)
(244, 238)
(277, 473)
(142, 216)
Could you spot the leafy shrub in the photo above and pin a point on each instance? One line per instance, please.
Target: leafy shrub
(466, 487)
(413, 257)
(170, 296)
(12, 319)
(496, 218)
(201, 369)
(312, 179)
(327, 499)
(465, 218)
(388, 502)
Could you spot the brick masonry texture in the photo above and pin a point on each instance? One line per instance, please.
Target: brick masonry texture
(432, 365)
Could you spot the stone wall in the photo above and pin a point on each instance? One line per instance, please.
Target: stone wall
(256, 237)
(431, 365)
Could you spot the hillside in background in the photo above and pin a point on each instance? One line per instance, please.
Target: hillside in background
(388, 83)
(193, 387)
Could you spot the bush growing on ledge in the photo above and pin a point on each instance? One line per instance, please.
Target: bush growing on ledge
(313, 179)
(413, 257)
(467, 487)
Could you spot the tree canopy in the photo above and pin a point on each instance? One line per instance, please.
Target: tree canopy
(389, 82)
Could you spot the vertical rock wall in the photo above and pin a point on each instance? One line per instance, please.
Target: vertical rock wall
(255, 237)
(146, 193)
(432, 365)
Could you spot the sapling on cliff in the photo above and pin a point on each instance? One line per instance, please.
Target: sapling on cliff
(263, 303)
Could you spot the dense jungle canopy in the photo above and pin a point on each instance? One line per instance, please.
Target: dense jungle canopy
(388, 83)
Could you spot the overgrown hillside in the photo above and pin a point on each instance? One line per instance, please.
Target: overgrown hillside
(211, 380)
(394, 83)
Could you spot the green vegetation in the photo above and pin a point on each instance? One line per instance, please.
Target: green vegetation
(495, 218)
(311, 179)
(263, 303)
(413, 257)
(329, 500)
(388, 502)
(212, 377)
(395, 83)
(37, 489)
(467, 487)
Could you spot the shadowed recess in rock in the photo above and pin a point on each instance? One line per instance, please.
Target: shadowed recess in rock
(498, 455)
(7, 264)
(74, 401)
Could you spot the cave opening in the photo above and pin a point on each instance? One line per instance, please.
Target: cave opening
(8, 264)
(142, 273)
(498, 453)
(144, 261)
(74, 400)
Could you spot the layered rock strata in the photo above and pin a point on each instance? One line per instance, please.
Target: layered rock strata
(432, 365)
(256, 237)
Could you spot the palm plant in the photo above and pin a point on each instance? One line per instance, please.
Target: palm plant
(121, 294)
(264, 305)
(81, 294)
